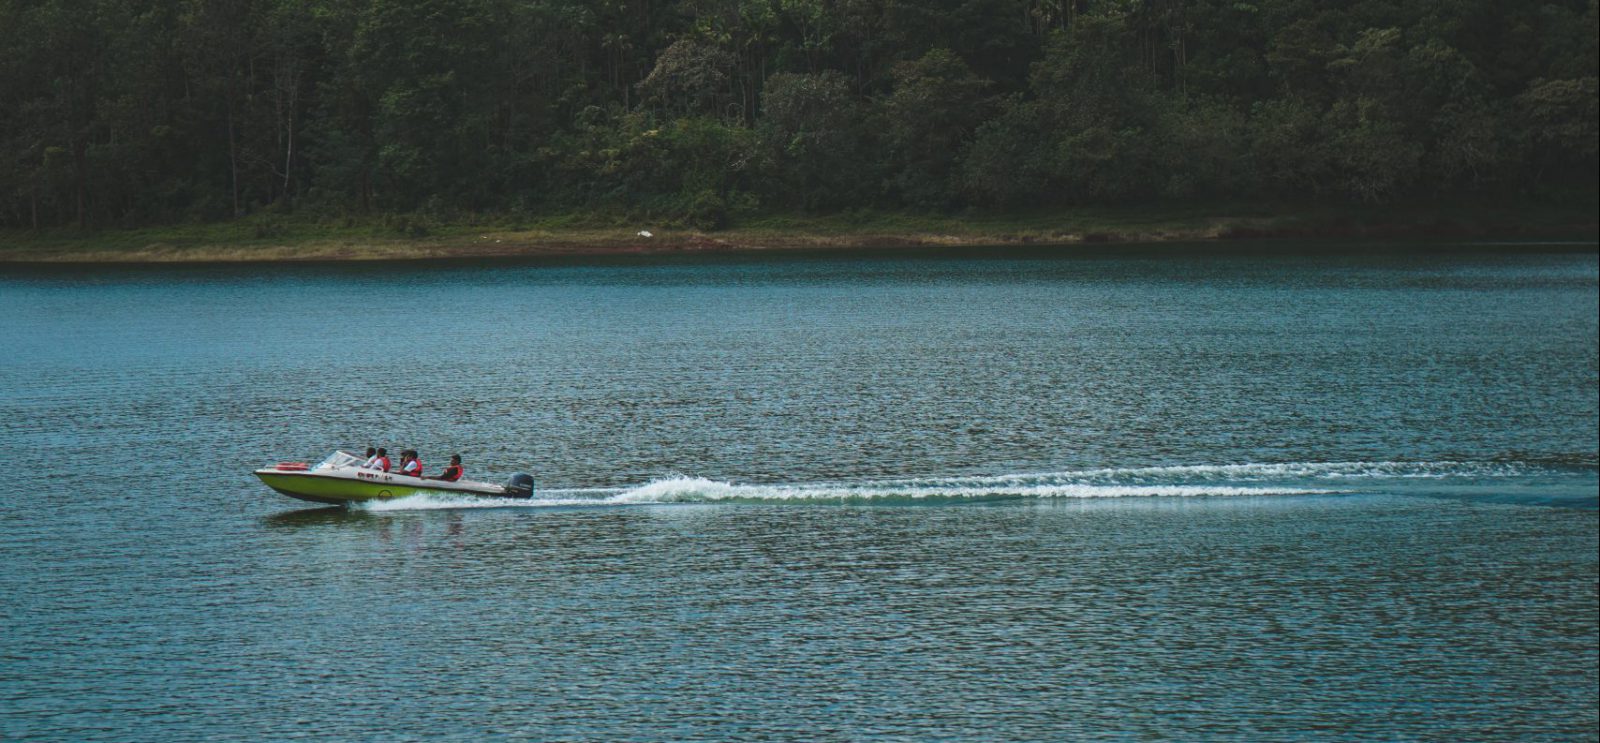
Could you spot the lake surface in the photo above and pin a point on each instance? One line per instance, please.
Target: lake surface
(1189, 492)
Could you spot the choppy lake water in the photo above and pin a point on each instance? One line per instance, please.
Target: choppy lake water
(1187, 492)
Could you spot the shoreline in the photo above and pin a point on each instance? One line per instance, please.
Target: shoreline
(264, 240)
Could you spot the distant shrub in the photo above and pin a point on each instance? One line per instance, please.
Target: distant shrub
(406, 225)
(706, 210)
(266, 228)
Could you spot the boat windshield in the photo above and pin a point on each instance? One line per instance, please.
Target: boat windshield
(340, 460)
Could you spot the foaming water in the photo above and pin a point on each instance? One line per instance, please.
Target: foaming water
(691, 490)
(701, 490)
(1177, 481)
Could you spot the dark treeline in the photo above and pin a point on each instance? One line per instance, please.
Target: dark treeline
(130, 112)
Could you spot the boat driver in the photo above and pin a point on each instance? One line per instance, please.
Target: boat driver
(379, 460)
(453, 472)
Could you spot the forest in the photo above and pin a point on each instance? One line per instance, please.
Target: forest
(121, 113)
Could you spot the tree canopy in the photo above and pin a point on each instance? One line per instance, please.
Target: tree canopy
(129, 112)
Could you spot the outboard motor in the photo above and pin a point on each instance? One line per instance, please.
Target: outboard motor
(520, 486)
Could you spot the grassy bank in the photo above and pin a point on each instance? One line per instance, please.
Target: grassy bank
(394, 237)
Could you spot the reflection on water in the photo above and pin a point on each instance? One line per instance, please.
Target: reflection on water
(982, 496)
(316, 517)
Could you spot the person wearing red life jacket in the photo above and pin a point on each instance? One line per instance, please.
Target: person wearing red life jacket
(379, 461)
(453, 472)
(410, 465)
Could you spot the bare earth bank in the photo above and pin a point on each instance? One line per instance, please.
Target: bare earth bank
(246, 241)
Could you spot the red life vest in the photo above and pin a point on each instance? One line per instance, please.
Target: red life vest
(452, 473)
(413, 468)
(382, 464)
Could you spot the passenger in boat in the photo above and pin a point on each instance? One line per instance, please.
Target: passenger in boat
(410, 464)
(379, 460)
(453, 472)
(372, 454)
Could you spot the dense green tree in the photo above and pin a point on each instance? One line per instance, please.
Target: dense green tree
(1007, 163)
(1289, 147)
(1204, 149)
(1558, 130)
(149, 111)
(1097, 101)
(936, 104)
(810, 129)
(692, 78)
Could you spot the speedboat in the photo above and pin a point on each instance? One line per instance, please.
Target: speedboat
(341, 479)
